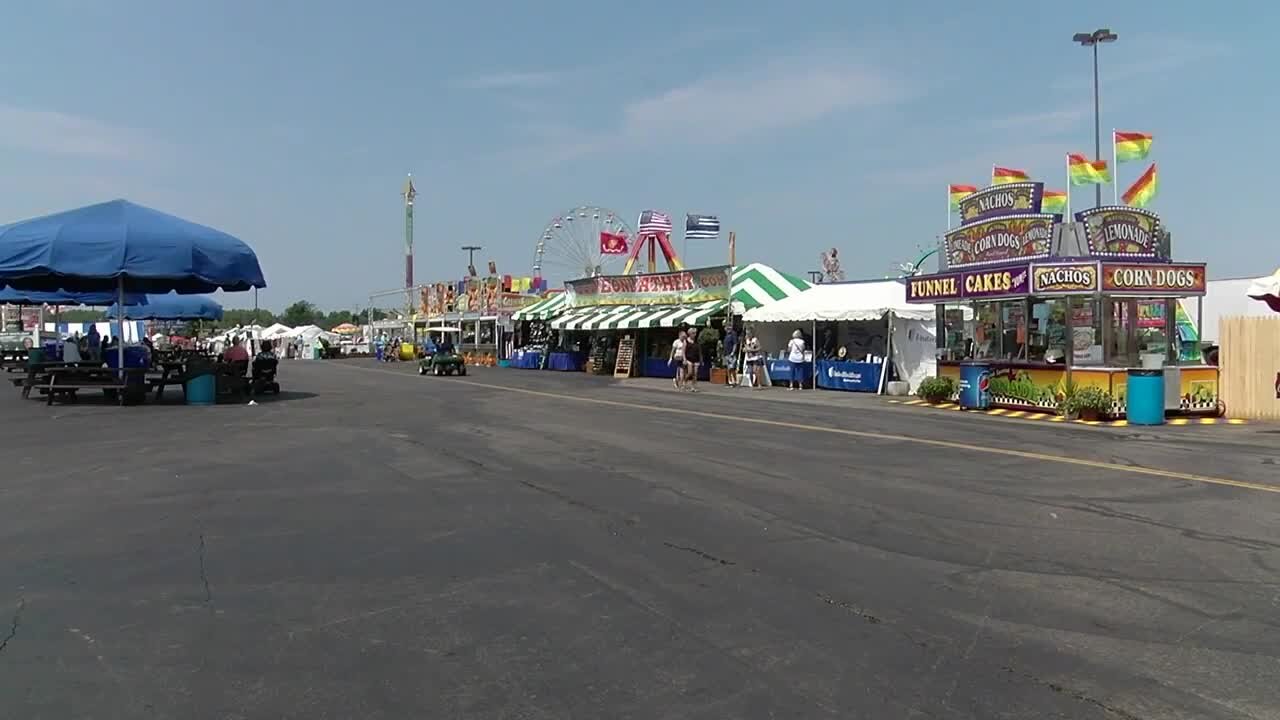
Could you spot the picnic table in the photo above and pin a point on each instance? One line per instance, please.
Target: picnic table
(69, 378)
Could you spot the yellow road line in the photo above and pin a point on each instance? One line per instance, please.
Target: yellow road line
(865, 434)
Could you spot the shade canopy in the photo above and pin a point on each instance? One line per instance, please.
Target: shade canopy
(843, 302)
(1267, 290)
(14, 296)
(92, 248)
(171, 307)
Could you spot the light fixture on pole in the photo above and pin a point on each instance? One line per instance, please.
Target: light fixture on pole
(471, 258)
(1093, 39)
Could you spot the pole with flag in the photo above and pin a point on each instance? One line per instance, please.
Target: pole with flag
(1115, 171)
(1068, 187)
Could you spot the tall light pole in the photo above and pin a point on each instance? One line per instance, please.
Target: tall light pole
(1093, 40)
(471, 257)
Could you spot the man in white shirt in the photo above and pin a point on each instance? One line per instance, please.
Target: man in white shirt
(677, 359)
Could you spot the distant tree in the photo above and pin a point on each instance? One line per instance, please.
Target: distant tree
(300, 313)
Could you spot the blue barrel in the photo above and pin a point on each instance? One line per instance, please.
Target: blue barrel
(202, 390)
(975, 385)
(1144, 396)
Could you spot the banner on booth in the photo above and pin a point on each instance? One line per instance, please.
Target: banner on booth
(1116, 231)
(1174, 279)
(1064, 278)
(972, 284)
(999, 240)
(686, 287)
(1017, 198)
(846, 375)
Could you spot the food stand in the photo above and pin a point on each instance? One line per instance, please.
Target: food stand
(1064, 305)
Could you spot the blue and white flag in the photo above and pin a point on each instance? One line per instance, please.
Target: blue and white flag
(701, 227)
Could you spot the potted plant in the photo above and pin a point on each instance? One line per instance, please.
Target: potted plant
(935, 390)
(1087, 403)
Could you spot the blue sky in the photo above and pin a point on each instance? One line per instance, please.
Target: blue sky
(804, 125)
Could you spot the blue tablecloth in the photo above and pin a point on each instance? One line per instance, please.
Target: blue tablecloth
(783, 371)
(571, 362)
(660, 368)
(848, 375)
(528, 360)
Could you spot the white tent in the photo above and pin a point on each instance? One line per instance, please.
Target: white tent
(276, 331)
(846, 301)
(874, 307)
(1226, 298)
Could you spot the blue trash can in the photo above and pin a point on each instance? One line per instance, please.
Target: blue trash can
(202, 390)
(975, 385)
(1144, 396)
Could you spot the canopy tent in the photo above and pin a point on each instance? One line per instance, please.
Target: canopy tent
(98, 246)
(753, 286)
(171, 307)
(875, 304)
(14, 296)
(126, 247)
(846, 301)
(757, 285)
(631, 317)
(544, 309)
(1267, 290)
(275, 331)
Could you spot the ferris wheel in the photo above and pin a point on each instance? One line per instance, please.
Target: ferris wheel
(569, 245)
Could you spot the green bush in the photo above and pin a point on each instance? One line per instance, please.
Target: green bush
(1088, 398)
(936, 389)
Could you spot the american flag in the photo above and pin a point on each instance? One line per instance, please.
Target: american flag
(701, 227)
(652, 221)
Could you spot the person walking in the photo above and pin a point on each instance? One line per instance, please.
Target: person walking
(676, 360)
(755, 376)
(795, 355)
(692, 359)
(731, 357)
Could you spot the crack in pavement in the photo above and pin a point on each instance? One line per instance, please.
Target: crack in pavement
(204, 577)
(700, 553)
(13, 625)
(1078, 695)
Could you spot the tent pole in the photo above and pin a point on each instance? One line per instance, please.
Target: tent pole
(120, 338)
(813, 356)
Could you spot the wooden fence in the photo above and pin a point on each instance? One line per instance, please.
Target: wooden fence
(1249, 362)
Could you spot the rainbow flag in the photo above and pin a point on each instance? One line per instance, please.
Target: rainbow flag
(1141, 192)
(1131, 145)
(1054, 201)
(1082, 171)
(1002, 175)
(959, 192)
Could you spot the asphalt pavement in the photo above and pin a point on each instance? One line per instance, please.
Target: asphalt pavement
(523, 544)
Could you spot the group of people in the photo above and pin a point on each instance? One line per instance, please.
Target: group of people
(686, 358)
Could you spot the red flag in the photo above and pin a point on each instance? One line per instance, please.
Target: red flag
(613, 243)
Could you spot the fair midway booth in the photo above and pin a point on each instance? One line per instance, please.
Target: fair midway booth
(635, 317)
(855, 327)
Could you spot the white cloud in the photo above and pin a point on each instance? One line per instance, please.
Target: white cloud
(731, 106)
(510, 81)
(52, 132)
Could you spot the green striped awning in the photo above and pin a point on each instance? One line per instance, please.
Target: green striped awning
(634, 317)
(755, 285)
(543, 309)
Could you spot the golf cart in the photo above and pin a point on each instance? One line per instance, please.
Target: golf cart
(442, 364)
(446, 360)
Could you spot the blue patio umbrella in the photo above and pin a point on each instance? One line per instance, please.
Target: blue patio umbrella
(14, 296)
(126, 247)
(170, 307)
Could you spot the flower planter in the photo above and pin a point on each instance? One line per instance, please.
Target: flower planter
(719, 376)
(1088, 414)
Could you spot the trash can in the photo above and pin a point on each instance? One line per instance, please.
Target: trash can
(202, 390)
(1144, 396)
(975, 385)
